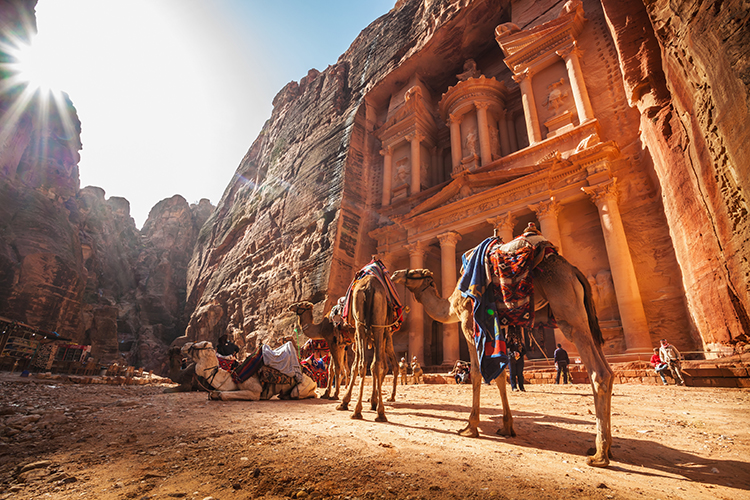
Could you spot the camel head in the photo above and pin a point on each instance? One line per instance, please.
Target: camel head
(196, 350)
(413, 279)
(303, 310)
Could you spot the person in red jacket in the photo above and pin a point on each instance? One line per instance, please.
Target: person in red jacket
(659, 366)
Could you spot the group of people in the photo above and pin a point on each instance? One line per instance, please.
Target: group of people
(666, 360)
(416, 371)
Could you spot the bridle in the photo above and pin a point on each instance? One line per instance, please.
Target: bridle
(429, 281)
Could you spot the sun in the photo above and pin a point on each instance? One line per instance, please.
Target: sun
(39, 66)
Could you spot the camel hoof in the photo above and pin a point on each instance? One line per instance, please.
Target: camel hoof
(381, 418)
(356, 416)
(468, 432)
(597, 461)
(374, 407)
(392, 399)
(214, 396)
(502, 432)
(343, 407)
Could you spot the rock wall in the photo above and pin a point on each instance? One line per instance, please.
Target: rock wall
(686, 71)
(71, 260)
(293, 223)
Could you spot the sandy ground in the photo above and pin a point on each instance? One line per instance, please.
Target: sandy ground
(68, 441)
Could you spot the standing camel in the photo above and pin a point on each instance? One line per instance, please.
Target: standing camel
(568, 293)
(370, 310)
(326, 330)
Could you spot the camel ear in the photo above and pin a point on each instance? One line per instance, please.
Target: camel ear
(426, 272)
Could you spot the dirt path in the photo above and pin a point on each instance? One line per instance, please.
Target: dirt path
(121, 442)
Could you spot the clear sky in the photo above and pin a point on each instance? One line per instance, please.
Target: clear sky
(172, 93)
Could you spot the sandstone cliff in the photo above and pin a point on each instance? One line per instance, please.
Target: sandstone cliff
(686, 71)
(71, 260)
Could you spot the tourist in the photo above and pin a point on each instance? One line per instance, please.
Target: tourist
(402, 369)
(225, 347)
(561, 362)
(417, 374)
(461, 372)
(516, 352)
(659, 366)
(671, 356)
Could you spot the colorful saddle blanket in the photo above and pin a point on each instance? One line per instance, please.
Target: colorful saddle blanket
(249, 366)
(375, 268)
(316, 369)
(497, 278)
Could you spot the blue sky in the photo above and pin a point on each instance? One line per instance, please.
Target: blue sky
(172, 93)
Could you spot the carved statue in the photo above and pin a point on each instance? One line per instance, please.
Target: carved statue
(470, 71)
(556, 96)
(471, 143)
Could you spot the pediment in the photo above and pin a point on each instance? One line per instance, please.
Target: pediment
(468, 184)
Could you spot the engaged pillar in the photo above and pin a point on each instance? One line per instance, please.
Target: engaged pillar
(416, 161)
(503, 225)
(529, 107)
(547, 212)
(448, 263)
(416, 317)
(454, 122)
(484, 133)
(632, 314)
(387, 153)
(577, 84)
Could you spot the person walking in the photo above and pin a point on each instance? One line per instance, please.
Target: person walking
(561, 362)
(516, 352)
(671, 356)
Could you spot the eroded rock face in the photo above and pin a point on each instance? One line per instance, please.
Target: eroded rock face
(689, 80)
(276, 236)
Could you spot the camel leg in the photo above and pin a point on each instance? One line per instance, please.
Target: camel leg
(329, 384)
(393, 361)
(357, 415)
(234, 395)
(378, 373)
(344, 405)
(467, 327)
(568, 306)
(507, 428)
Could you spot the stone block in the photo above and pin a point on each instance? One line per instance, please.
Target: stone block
(714, 382)
(743, 382)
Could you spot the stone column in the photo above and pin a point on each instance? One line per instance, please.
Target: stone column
(416, 316)
(512, 136)
(529, 107)
(484, 132)
(632, 314)
(448, 263)
(436, 178)
(502, 124)
(504, 225)
(547, 212)
(577, 83)
(416, 162)
(387, 153)
(454, 122)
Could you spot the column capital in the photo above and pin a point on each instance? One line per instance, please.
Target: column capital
(521, 77)
(449, 239)
(387, 150)
(505, 221)
(548, 208)
(601, 193)
(482, 105)
(416, 248)
(566, 52)
(415, 136)
(457, 119)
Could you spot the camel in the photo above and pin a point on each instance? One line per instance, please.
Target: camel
(338, 369)
(207, 366)
(568, 293)
(370, 311)
(186, 377)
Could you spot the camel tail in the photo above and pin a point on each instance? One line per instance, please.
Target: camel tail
(588, 302)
